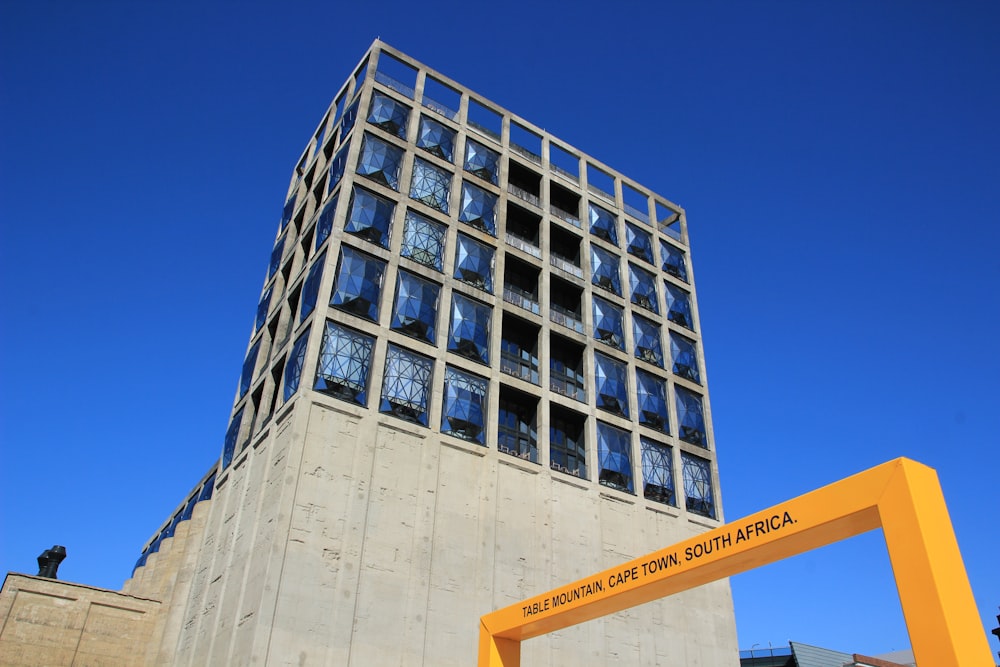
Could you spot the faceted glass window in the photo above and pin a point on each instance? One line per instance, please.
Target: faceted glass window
(516, 434)
(414, 311)
(293, 367)
(614, 453)
(698, 496)
(406, 385)
(423, 240)
(642, 285)
(338, 165)
(604, 270)
(608, 324)
(430, 185)
(567, 444)
(679, 307)
(249, 364)
(603, 224)
(684, 353)
(464, 410)
(469, 334)
(436, 138)
(657, 472)
(690, 417)
(310, 289)
(611, 384)
(262, 307)
(276, 255)
(286, 213)
(344, 361)
(478, 208)
(651, 394)
(474, 263)
(647, 340)
(324, 224)
(350, 117)
(388, 114)
(358, 284)
(370, 216)
(481, 161)
(674, 262)
(380, 161)
(232, 434)
(638, 243)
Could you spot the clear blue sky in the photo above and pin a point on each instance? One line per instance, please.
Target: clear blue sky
(838, 162)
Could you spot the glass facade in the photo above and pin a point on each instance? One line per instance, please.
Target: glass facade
(344, 362)
(548, 349)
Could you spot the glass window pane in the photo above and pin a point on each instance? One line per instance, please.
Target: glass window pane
(690, 417)
(249, 365)
(608, 324)
(647, 340)
(603, 224)
(293, 367)
(463, 413)
(657, 472)
(651, 394)
(679, 307)
(436, 138)
(388, 114)
(414, 310)
(474, 263)
(478, 208)
(614, 453)
(358, 284)
(684, 354)
(638, 242)
(344, 363)
(698, 495)
(406, 385)
(380, 161)
(611, 383)
(642, 286)
(310, 289)
(481, 161)
(370, 216)
(469, 334)
(324, 224)
(430, 185)
(674, 262)
(423, 240)
(604, 270)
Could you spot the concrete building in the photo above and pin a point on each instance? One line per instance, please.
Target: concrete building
(475, 373)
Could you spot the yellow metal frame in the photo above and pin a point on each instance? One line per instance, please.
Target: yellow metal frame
(902, 497)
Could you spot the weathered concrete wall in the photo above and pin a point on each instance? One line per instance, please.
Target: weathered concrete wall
(50, 622)
(349, 538)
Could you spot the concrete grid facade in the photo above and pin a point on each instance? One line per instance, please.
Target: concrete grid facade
(476, 372)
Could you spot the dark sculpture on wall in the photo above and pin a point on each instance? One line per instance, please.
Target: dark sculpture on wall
(49, 561)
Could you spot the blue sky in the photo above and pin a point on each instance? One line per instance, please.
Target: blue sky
(838, 163)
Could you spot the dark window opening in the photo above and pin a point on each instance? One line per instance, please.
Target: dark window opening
(567, 442)
(520, 285)
(524, 183)
(523, 226)
(564, 204)
(519, 349)
(564, 304)
(516, 434)
(566, 368)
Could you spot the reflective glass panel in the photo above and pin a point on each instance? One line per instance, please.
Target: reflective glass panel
(406, 385)
(647, 340)
(481, 161)
(344, 361)
(430, 185)
(232, 433)
(262, 308)
(370, 216)
(679, 307)
(469, 334)
(638, 242)
(414, 310)
(611, 384)
(463, 413)
(614, 453)
(478, 208)
(684, 353)
(690, 417)
(674, 262)
(293, 367)
(608, 324)
(604, 270)
(310, 289)
(249, 364)
(698, 495)
(324, 224)
(657, 472)
(474, 263)
(436, 138)
(603, 224)
(380, 161)
(651, 395)
(423, 240)
(358, 283)
(388, 114)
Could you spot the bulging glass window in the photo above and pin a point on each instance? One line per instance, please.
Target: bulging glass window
(638, 243)
(370, 217)
(679, 307)
(603, 224)
(604, 270)
(463, 413)
(324, 224)
(430, 185)
(642, 287)
(684, 354)
(469, 334)
(232, 434)
(310, 289)
(481, 161)
(674, 262)
(698, 495)
(608, 324)
(414, 311)
(657, 472)
(478, 208)
(262, 308)
(651, 394)
(690, 417)
(293, 367)
(406, 384)
(614, 453)
(647, 340)
(436, 138)
(611, 385)
(249, 365)
(344, 362)
(388, 114)
(474, 263)
(380, 161)
(423, 240)
(358, 284)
